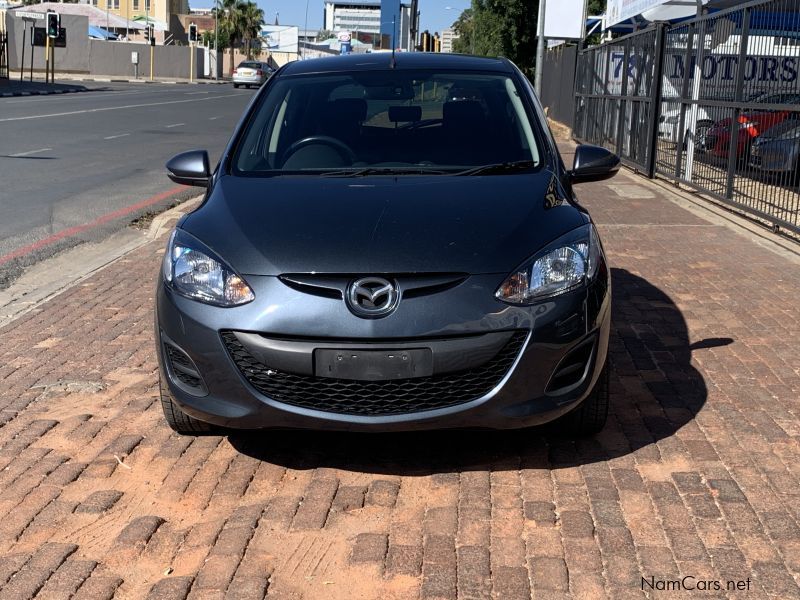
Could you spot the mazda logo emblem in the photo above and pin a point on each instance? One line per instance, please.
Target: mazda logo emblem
(372, 297)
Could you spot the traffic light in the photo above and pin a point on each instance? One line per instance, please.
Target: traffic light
(149, 34)
(192, 32)
(53, 24)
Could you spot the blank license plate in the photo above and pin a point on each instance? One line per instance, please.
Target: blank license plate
(373, 365)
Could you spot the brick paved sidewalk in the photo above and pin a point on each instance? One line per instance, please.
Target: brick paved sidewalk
(696, 474)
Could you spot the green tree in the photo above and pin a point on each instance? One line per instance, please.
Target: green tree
(252, 20)
(231, 20)
(500, 28)
(209, 39)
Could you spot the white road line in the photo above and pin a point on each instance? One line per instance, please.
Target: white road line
(196, 93)
(213, 118)
(113, 137)
(29, 152)
(174, 125)
(94, 110)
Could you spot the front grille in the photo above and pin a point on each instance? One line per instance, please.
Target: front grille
(374, 398)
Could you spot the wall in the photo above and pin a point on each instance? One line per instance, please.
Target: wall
(72, 59)
(558, 84)
(274, 59)
(114, 58)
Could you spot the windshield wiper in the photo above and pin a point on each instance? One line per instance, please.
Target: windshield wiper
(367, 171)
(501, 168)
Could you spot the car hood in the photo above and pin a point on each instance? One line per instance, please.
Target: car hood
(407, 224)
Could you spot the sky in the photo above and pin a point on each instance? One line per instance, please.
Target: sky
(435, 15)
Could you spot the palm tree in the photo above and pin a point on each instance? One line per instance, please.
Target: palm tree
(252, 20)
(231, 12)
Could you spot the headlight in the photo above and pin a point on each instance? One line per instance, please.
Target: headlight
(564, 265)
(192, 270)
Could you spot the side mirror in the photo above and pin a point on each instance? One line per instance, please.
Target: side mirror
(190, 168)
(593, 163)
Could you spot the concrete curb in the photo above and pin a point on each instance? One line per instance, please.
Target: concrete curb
(42, 92)
(105, 80)
(53, 276)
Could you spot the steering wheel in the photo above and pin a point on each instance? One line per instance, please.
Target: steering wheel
(324, 140)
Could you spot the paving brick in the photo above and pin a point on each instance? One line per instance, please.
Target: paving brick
(33, 576)
(576, 524)
(99, 502)
(382, 492)
(369, 547)
(542, 513)
(170, 588)
(403, 560)
(348, 498)
(313, 511)
(66, 580)
(549, 573)
(98, 587)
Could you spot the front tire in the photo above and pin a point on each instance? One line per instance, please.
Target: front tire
(236, 86)
(590, 417)
(178, 420)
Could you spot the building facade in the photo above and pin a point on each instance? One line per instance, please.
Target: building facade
(367, 16)
(162, 12)
(448, 36)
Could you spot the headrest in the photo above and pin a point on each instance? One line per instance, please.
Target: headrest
(405, 114)
(463, 112)
(348, 109)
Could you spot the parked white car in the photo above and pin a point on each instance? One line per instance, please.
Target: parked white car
(251, 73)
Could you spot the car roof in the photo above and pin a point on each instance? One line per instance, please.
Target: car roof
(376, 61)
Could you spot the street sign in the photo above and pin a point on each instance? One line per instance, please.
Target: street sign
(28, 15)
(134, 58)
(564, 19)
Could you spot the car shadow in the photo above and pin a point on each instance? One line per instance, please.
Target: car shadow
(655, 391)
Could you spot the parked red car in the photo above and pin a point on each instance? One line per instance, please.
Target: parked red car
(717, 139)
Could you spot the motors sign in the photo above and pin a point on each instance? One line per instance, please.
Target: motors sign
(717, 72)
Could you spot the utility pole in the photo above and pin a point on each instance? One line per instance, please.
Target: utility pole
(216, 40)
(539, 48)
(305, 27)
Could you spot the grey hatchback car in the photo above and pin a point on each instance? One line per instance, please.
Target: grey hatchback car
(376, 253)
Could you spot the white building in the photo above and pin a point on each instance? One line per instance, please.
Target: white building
(448, 36)
(364, 16)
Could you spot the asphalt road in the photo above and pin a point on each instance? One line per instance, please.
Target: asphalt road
(78, 164)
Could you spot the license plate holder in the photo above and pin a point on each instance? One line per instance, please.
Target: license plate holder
(373, 365)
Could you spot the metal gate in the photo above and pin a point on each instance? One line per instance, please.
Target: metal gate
(616, 96)
(730, 109)
(712, 103)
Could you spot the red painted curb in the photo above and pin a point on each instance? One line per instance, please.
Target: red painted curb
(72, 231)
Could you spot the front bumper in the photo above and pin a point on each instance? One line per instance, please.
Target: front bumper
(524, 394)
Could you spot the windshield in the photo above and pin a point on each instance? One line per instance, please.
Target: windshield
(387, 121)
(249, 65)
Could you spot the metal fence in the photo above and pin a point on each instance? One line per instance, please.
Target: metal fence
(725, 119)
(3, 55)
(616, 96)
(558, 83)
